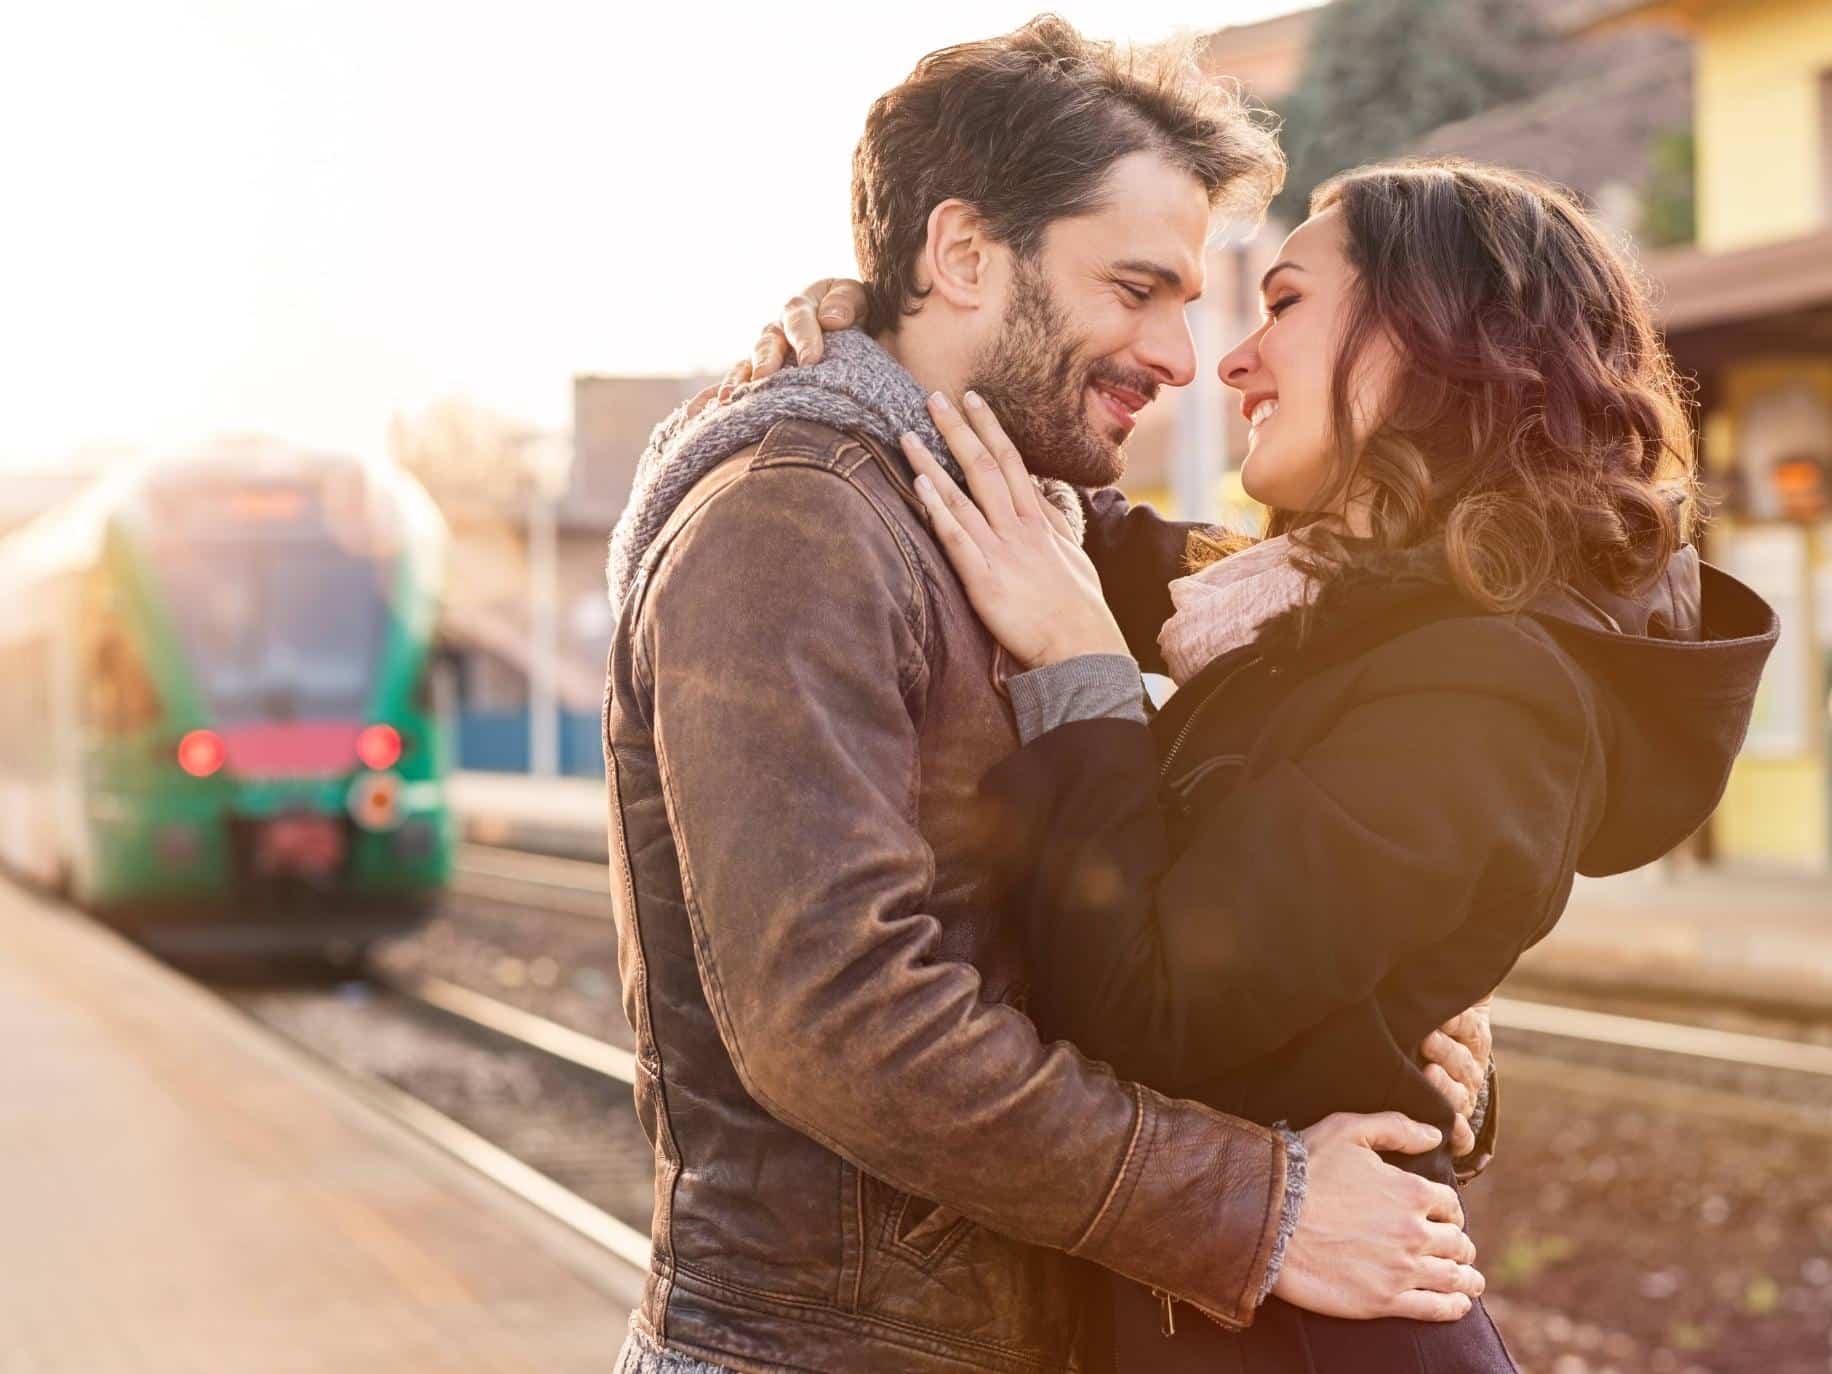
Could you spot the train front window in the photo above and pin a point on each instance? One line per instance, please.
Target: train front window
(278, 628)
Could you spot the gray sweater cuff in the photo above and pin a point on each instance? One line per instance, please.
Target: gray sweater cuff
(1480, 1110)
(1296, 1159)
(1083, 688)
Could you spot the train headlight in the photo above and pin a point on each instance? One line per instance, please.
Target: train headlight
(375, 801)
(379, 747)
(201, 753)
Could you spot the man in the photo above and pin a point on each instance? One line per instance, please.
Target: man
(866, 1157)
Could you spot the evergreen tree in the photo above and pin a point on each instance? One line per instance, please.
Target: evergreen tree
(1381, 73)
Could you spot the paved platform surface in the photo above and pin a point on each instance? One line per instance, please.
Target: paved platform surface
(562, 816)
(1763, 938)
(183, 1192)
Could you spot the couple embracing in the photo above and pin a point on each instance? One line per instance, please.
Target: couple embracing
(989, 1019)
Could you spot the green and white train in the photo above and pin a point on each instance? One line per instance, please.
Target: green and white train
(215, 720)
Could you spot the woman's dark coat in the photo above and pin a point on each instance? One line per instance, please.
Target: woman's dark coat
(1336, 838)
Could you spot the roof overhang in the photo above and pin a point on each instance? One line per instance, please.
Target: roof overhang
(1718, 308)
(1699, 289)
(1588, 18)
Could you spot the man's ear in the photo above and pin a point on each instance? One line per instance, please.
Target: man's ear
(959, 258)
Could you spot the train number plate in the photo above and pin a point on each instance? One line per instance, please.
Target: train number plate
(302, 846)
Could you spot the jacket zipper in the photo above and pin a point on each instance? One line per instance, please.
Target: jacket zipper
(1167, 1318)
(1196, 715)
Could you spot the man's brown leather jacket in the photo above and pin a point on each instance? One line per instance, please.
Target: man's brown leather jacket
(865, 1158)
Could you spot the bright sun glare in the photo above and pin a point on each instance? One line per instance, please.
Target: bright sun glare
(298, 218)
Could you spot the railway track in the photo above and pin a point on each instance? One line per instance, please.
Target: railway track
(544, 1109)
(538, 1107)
(1540, 1024)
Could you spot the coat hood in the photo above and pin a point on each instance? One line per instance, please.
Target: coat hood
(1672, 674)
(1675, 671)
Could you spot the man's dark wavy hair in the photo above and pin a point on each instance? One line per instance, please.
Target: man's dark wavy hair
(1025, 127)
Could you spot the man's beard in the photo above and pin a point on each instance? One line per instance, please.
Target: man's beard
(1036, 380)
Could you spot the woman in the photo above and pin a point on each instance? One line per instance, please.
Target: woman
(1476, 656)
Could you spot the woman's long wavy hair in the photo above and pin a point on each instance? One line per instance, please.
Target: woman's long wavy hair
(1535, 425)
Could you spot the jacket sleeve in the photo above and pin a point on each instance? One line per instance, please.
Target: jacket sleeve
(784, 636)
(1452, 781)
(1138, 554)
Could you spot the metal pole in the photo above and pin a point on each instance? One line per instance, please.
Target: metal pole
(543, 618)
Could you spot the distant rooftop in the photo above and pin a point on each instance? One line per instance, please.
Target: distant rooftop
(1593, 130)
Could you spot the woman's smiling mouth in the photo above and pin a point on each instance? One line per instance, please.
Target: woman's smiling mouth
(1258, 410)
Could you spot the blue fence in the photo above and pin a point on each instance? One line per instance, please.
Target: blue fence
(497, 742)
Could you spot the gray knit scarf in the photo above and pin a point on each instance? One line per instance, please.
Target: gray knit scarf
(856, 387)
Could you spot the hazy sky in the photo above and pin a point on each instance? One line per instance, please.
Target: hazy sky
(300, 217)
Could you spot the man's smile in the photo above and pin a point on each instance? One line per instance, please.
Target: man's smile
(1123, 404)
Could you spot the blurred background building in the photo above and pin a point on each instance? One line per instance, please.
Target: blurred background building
(1701, 133)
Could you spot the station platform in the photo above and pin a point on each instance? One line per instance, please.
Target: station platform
(565, 817)
(1759, 938)
(185, 1193)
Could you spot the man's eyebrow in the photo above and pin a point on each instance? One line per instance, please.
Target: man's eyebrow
(1169, 276)
(1285, 265)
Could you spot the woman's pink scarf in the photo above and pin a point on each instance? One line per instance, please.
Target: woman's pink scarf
(1223, 606)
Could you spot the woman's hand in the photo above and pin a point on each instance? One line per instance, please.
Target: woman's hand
(831, 303)
(1028, 580)
(1457, 1057)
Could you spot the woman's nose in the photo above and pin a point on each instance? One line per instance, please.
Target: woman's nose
(1241, 363)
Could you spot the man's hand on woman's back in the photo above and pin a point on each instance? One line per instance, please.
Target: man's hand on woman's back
(1373, 1240)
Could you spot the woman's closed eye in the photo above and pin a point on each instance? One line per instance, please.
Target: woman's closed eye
(1281, 305)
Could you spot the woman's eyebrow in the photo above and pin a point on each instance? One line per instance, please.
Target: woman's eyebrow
(1285, 266)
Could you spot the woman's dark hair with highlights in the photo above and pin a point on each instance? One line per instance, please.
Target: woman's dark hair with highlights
(1535, 425)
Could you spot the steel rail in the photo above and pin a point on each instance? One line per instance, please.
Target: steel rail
(550, 1037)
(528, 1183)
(572, 887)
(1668, 1037)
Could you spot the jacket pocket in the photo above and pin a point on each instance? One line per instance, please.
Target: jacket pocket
(913, 1229)
(924, 1231)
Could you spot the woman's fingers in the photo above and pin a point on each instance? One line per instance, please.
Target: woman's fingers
(969, 563)
(701, 399)
(842, 303)
(985, 479)
(771, 350)
(1025, 499)
(1462, 1138)
(1448, 1088)
(950, 497)
(737, 377)
(1454, 1058)
(802, 330)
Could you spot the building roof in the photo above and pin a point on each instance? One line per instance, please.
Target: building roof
(1596, 128)
(1265, 58)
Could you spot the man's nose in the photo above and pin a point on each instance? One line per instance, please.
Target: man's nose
(1170, 351)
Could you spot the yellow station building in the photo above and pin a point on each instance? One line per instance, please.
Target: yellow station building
(1748, 311)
